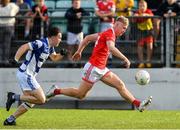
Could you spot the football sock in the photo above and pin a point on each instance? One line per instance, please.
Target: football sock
(136, 103)
(16, 97)
(57, 91)
(11, 118)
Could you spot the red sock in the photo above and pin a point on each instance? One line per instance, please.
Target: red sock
(136, 103)
(57, 91)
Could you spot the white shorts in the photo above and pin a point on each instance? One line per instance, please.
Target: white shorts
(73, 38)
(92, 74)
(105, 25)
(27, 82)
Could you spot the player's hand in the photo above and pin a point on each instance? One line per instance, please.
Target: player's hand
(63, 51)
(127, 63)
(76, 56)
(13, 62)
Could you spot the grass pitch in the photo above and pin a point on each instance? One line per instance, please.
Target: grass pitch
(93, 119)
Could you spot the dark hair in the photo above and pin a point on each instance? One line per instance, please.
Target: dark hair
(53, 31)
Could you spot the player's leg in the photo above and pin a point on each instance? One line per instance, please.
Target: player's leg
(79, 92)
(32, 94)
(29, 85)
(35, 97)
(113, 80)
(23, 108)
(29, 98)
(88, 79)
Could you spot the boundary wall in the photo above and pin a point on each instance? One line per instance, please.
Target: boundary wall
(164, 85)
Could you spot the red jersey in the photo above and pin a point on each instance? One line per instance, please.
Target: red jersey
(100, 52)
(106, 7)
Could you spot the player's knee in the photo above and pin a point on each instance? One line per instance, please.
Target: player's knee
(42, 100)
(81, 96)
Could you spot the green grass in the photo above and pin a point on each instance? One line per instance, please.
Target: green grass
(93, 119)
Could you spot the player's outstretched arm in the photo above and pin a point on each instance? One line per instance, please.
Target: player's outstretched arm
(86, 41)
(118, 54)
(83, 44)
(22, 49)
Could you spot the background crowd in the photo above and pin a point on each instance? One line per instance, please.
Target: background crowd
(34, 17)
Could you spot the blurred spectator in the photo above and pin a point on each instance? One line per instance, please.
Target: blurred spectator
(6, 28)
(29, 2)
(22, 23)
(124, 7)
(39, 16)
(105, 10)
(169, 8)
(154, 4)
(145, 36)
(74, 26)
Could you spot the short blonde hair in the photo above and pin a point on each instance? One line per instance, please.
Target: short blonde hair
(123, 20)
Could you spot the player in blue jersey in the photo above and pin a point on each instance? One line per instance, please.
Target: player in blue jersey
(37, 53)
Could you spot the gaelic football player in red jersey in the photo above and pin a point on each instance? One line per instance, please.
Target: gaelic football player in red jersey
(95, 69)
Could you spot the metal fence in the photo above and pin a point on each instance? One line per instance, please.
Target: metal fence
(173, 42)
(166, 47)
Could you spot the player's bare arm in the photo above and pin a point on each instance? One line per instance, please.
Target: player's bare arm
(22, 49)
(83, 44)
(117, 53)
(86, 41)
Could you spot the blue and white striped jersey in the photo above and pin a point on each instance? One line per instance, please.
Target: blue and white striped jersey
(36, 56)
